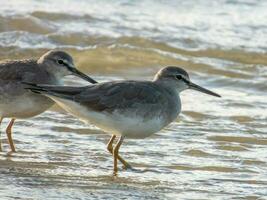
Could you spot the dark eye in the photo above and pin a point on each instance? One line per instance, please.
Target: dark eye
(60, 62)
(179, 77)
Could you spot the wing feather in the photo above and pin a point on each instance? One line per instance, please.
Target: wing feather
(119, 95)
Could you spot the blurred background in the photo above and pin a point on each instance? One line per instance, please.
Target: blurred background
(217, 147)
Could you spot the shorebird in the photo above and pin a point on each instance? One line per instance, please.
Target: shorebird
(17, 102)
(127, 109)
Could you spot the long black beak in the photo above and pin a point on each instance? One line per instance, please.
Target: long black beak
(81, 75)
(201, 89)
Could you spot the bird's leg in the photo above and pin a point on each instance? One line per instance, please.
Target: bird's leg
(110, 144)
(116, 154)
(1, 119)
(110, 149)
(9, 134)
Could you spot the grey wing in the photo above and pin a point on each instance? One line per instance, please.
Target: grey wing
(121, 95)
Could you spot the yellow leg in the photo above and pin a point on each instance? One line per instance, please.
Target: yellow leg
(1, 119)
(9, 134)
(110, 149)
(116, 155)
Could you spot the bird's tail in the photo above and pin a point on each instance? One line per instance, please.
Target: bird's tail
(65, 92)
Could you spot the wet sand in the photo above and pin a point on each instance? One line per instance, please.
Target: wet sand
(216, 149)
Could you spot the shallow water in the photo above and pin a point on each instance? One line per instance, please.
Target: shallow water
(216, 149)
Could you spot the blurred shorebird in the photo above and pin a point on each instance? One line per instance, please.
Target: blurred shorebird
(15, 101)
(131, 109)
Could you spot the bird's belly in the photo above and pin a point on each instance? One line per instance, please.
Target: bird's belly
(130, 127)
(137, 127)
(115, 123)
(25, 106)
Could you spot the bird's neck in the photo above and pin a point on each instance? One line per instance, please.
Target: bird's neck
(168, 85)
(53, 76)
(172, 94)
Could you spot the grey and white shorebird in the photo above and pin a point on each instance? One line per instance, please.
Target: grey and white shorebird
(127, 109)
(16, 101)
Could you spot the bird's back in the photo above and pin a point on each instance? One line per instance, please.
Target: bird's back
(23, 70)
(126, 95)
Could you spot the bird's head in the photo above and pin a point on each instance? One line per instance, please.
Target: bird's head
(179, 79)
(61, 64)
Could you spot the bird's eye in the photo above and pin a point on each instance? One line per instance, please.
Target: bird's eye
(60, 62)
(179, 77)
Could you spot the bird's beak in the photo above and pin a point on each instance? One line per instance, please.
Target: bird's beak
(201, 89)
(80, 74)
